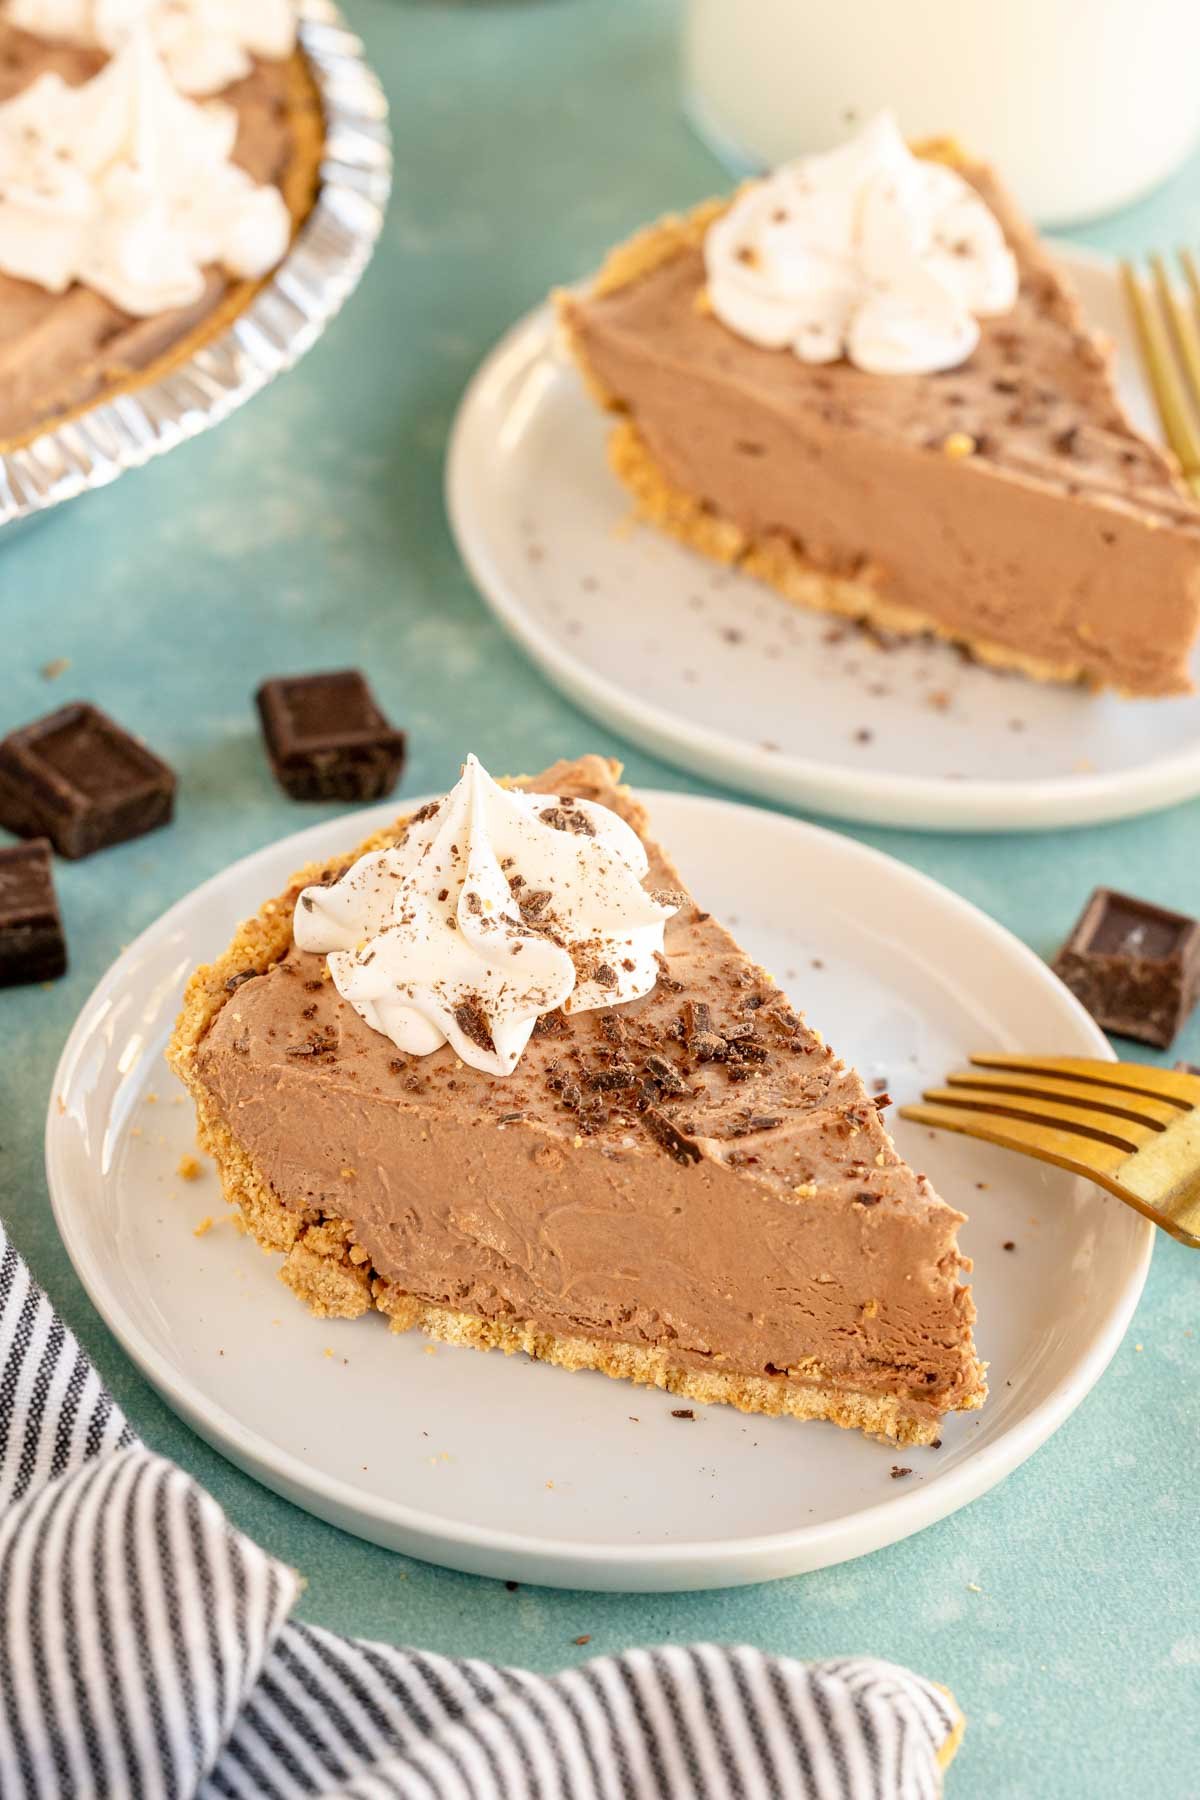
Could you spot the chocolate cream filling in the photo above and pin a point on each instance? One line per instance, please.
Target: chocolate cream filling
(1062, 536)
(60, 352)
(695, 1171)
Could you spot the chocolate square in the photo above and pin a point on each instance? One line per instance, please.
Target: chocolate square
(1133, 965)
(32, 944)
(79, 779)
(327, 738)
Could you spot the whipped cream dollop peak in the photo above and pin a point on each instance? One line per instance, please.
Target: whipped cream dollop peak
(128, 187)
(496, 908)
(205, 44)
(866, 251)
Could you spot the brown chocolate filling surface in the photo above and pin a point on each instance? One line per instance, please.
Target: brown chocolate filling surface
(61, 352)
(695, 1171)
(1062, 537)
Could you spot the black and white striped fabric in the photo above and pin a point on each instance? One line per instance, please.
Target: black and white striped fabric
(146, 1652)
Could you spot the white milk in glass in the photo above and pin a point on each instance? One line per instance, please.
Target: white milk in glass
(1082, 104)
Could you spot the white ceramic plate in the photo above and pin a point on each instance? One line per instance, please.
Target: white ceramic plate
(510, 1468)
(713, 671)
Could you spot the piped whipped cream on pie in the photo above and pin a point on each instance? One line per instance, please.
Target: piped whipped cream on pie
(128, 187)
(866, 252)
(206, 44)
(497, 908)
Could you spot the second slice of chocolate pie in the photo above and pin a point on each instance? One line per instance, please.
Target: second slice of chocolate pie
(1008, 504)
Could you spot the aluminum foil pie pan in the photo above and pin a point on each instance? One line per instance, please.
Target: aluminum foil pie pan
(282, 321)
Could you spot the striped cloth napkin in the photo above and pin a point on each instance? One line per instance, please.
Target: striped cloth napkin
(146, 1651)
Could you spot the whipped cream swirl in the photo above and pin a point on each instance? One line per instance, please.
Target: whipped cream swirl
(498, 907)
(206, 44)
(866, 251)
(124, 185)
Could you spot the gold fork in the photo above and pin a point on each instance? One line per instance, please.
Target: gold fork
(1132, 1128)
(1168, 329)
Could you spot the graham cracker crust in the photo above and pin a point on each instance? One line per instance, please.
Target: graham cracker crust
(327, 1270)
(299, 186)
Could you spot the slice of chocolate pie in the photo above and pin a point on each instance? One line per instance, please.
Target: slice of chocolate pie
(867, 383)
(520, 1090)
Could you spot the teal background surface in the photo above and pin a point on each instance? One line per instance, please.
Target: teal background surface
(308, 532)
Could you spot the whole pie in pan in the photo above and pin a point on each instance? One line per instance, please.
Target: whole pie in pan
(65, 348)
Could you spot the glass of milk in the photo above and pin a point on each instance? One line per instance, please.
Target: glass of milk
(1083, 105)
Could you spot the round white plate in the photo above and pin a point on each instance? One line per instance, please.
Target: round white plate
(516, 1469)
(714, 671)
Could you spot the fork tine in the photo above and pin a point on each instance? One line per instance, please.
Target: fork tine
(1122, 1106)
(1192, 274)
(1066, 1149)
(1163, 370)
(1176, 1086)
(1123, 1134)
(1183, 321)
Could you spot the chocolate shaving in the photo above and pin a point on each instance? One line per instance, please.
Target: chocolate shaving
(666, 1075)
(471, 1020)
(612, 1027)
(664, 974)
(533, 903)
(425, 812)
(864, 1198)
(604, 975)
(320, 1043)
(235, 981)
(564, 817)
(682, 1412)
(614, 1080)
(672, 1140)
(551, 1024)
(697, 1019)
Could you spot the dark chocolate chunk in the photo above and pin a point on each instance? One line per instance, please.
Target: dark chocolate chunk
(79, 779)
(327, 738)
(32, 944)
(1133, 965)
